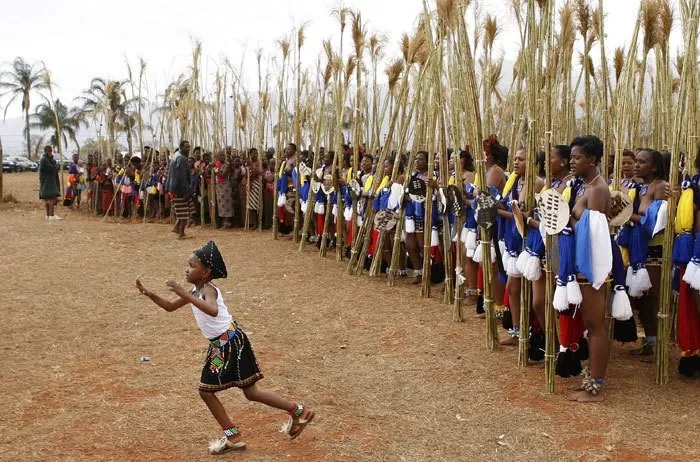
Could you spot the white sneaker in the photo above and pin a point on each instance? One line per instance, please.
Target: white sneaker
(56, 217)
(47, 218)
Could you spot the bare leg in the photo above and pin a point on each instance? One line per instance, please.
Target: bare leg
(649, 303)
(593, 308)
(255, 393)
(470, 270)
(413, 241)
(497, 285)
(46, 206)
(216, 409)
(183, 225)
(259, 395)
(538, 287)
(402, 258)
(513, 287)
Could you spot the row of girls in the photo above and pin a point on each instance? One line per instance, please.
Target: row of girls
(598, 274)
(131, 186)
(620, 272)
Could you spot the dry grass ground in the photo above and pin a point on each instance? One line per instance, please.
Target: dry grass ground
(391, 376)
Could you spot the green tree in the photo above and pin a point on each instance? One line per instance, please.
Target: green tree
(21, 81)
(70, 121)
(107, 98)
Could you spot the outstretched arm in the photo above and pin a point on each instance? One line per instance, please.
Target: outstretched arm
(167, 305)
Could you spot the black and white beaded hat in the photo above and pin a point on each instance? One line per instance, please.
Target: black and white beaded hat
(210, 257)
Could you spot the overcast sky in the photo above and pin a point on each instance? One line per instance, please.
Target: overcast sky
(82, 39)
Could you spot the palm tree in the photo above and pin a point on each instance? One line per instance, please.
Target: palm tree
(69, 121)
(21, 81)
(128, 124)
(107, 97)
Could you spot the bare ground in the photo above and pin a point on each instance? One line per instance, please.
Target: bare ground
(391, 376)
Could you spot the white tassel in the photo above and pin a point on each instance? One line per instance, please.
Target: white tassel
(493, 253)
(505, 259)
(521, 261)
(692, 275)
(638, 281)
(631, 283)
(303, 205)
(347, 214)
(573, 292)
(690, 271)
(560, 300)
(410, 225)
(403, 235)
(281, 200)
(512, 269)
(459, 275)
(334, 211)
(470, 241)
(395, 196)
(434, 238)
(320, 208)
(463, 236)
(621, 307)
(532, 270)
(478, 256)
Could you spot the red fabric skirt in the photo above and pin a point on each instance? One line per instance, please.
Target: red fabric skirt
(107, 195)
(571, 330)
(688, 328)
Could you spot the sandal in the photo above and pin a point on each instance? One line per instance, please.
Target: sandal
(224, 445)
(303, 417)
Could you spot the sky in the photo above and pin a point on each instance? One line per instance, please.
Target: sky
(81, 39)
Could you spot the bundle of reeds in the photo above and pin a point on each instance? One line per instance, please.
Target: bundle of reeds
(281, 112)
(549, 101)
(414, 54)
(359, 34)
(475, 137)
(298, 117)
(690, 19)
(318, 129)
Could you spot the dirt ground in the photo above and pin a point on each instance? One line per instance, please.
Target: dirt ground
(391, 376)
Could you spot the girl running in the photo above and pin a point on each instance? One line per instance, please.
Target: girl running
(230, 359)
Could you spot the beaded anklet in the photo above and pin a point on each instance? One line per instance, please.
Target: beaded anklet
(231, 433)
(591, 385)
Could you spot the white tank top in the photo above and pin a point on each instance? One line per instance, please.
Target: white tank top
(213, 326)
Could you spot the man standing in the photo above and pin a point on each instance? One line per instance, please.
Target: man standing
(49, 189)
(179, 185)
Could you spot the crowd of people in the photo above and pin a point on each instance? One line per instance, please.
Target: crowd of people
(137, 186)
(234, 189)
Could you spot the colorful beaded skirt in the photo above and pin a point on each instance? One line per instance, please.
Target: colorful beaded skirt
(230, 362)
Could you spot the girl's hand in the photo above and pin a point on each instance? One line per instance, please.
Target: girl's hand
(141, 288)
(176, 288)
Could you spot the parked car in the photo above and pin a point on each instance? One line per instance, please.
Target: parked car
(9, 165)
(26, 164)
(22, 164)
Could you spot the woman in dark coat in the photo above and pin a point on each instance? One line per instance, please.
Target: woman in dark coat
(49, 189)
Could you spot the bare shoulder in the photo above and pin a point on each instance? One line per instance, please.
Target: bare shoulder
(661, 190)
(209, 292)
(601, 190)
